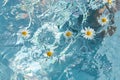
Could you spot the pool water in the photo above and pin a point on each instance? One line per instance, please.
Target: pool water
(59, 39)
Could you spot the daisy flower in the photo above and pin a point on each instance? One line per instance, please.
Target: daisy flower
(49, 53)
(24, 33)
(111, 3)
(103, 20)
(68, 34)
(88, 33)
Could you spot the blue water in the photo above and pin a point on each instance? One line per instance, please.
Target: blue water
(46, 22)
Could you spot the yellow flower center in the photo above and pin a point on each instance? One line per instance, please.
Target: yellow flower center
(68, 34)
(104, 20)
(88, 33)
(109, 1)
(49, 53)
(24, 33)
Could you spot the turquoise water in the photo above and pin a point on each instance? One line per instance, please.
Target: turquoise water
(59, 40)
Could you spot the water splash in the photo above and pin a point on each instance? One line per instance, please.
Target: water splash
(46, 22)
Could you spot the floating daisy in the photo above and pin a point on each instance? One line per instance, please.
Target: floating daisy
(48, 53)
(111, 3)
(24, 33)
(68, 34)
(103, 20)
(88, 33)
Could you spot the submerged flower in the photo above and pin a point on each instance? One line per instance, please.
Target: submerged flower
(88, 33)
(103, 20)
(24, 33)
(49, 53)
(68, 34)
(111, 3)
